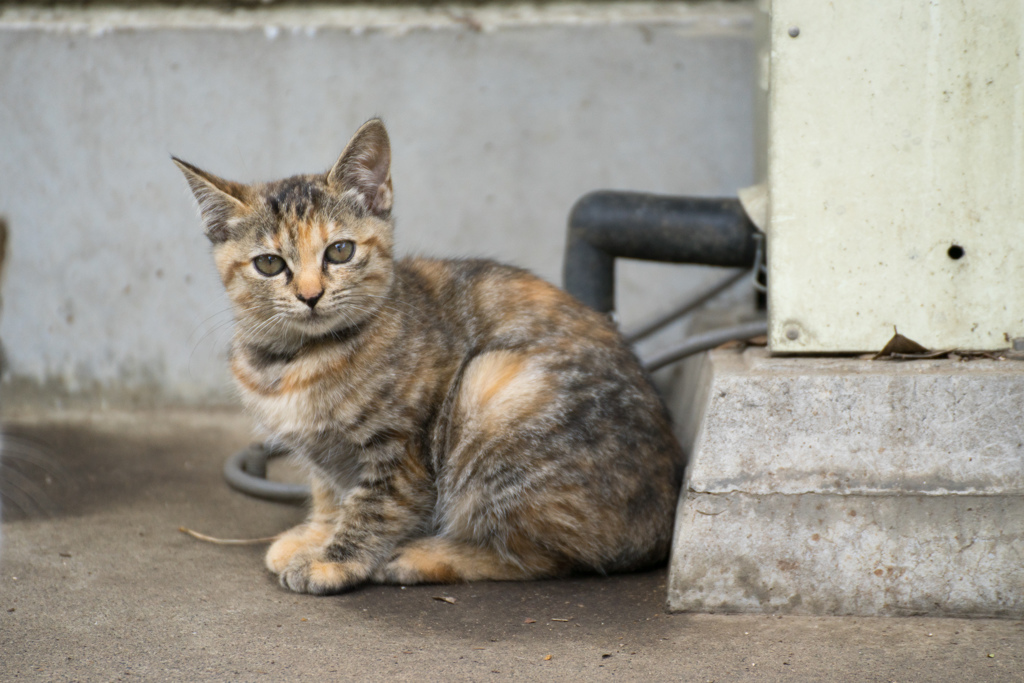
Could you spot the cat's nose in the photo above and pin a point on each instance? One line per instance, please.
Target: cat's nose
(310, 300)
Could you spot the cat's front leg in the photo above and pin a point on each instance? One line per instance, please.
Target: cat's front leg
(377, 516)
(310, 536)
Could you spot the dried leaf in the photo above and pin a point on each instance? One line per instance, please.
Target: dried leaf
(742, 344)
(446, 598)
(529, 621)
(548, 658)
(899, 345)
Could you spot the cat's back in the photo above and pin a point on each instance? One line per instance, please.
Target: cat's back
(496, 305)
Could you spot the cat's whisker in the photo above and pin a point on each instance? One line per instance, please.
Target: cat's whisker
(393, 300)
(216, 328)
(276, 323)
(349, 320)
(382, 308)
(229, 310)
(347, 298)
(205, 328)
(258, 333)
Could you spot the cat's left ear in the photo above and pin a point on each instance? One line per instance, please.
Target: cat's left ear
(364, 169)
(219, 200)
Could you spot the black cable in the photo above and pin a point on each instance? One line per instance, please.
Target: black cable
(246, 471)
(703, 342)
(687, 306)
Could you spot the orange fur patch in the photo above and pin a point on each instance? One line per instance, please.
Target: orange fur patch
(310, 242)
(325, 505)
(299, 377)
(495, 373)
(430, 567)
(308, 283)
(538, 293)
(229, 270)
(499, 386)
(250, 382)
(294, 541)
(306, 374)
(328, 574)
(437, 560)
(434, 273)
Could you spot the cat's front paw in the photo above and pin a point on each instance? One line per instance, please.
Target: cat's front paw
(318, 576)
(306, 538)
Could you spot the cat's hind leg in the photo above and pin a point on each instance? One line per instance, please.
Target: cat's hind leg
(441, 560)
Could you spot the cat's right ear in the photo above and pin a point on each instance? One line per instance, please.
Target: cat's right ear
(219, 200)
(363, 170)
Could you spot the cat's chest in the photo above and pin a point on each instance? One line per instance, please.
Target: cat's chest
(313, 393)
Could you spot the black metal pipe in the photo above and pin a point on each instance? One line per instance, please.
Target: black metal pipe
(606, 225)
(246, 471)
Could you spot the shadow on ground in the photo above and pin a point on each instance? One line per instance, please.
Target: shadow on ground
(96, 583)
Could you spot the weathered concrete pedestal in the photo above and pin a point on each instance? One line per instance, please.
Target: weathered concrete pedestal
(846, 486)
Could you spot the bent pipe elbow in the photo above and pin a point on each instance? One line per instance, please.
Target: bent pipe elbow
(606, 225)
(246, 471)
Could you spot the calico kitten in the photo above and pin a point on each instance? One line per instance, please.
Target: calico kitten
(461, 419)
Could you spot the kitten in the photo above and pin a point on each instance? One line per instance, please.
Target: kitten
(461, 419)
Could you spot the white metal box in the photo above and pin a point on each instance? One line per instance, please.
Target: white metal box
(895, 168)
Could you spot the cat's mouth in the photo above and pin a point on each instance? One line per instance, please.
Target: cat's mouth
(314, 316)
(314, 321)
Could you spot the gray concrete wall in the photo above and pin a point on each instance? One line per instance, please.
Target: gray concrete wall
(500, 120)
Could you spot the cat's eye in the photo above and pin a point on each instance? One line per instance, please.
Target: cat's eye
(340, 252)
(269, 264)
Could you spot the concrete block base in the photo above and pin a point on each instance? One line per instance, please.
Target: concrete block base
(845, 486)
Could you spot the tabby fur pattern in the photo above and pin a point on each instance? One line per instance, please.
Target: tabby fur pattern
(460, 419)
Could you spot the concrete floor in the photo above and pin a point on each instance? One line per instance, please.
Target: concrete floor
(98, 584)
